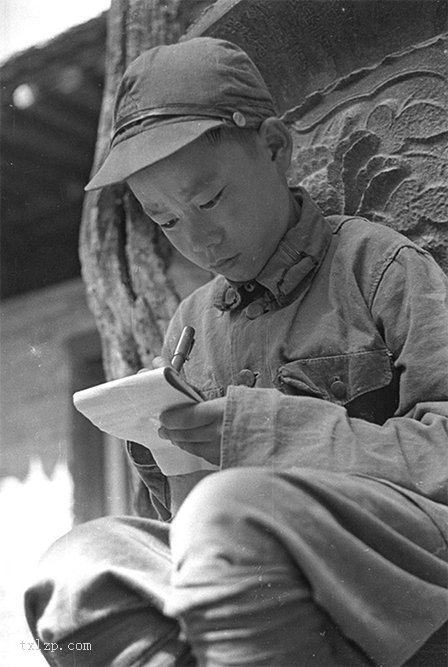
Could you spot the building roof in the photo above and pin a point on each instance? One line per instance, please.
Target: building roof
(50, 103)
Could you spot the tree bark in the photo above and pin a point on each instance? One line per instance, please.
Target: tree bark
(125, 259)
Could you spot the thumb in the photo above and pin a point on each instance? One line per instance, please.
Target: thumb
(159, 362)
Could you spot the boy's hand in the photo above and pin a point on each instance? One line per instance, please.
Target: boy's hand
(157, 362)
(196, 428)
(160, 362)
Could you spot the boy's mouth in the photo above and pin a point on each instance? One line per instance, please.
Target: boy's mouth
(221, 263)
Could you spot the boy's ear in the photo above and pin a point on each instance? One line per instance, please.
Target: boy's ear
(275, 137)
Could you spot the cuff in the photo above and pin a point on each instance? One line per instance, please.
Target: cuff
(263, 427)
(248, 427)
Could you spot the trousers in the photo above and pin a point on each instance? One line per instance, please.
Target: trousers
(259, 567)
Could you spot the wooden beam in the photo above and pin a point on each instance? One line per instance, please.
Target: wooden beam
(27, 147)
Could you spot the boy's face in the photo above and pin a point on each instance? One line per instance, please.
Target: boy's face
(224, 206)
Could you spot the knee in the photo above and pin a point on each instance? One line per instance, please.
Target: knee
(101, 567)
(227, 513)
(70, 568)
(249, 509)
(71, 552)
(222, 496)
(100, 544)
(105, 582)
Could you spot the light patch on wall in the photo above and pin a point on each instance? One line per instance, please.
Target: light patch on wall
(33, 514)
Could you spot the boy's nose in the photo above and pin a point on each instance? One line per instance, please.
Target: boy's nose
(204, 234)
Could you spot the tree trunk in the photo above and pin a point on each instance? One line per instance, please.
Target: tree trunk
(125, 259)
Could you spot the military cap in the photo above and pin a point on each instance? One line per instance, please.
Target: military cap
(172, 94)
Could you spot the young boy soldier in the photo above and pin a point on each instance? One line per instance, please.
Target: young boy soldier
(322, 348)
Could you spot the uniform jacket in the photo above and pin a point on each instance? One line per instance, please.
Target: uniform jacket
(336, 358)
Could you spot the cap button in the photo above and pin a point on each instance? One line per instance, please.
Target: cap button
(239, 119)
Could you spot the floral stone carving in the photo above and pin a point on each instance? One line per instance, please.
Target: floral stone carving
(375, 144)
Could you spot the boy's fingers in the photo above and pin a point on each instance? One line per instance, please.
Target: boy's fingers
(199, 435)
(192, 416)
(159, 362)
(187, 418)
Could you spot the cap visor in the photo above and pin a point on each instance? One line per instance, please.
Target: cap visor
(149, 146)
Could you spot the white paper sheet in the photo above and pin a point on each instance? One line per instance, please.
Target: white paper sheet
(129, 409)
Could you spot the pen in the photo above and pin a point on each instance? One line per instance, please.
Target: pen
(183, 348)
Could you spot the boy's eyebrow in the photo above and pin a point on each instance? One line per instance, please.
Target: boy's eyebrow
(189, 192)
(199, 185)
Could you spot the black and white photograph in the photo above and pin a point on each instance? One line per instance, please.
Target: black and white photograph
(224, 333)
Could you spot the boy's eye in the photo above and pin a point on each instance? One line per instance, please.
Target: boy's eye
(170, 224)
(212, 202)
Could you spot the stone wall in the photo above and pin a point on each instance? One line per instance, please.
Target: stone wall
(377, 146)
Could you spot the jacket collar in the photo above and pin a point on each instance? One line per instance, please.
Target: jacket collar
(300, 251)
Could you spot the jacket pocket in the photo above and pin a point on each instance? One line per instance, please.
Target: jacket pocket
(363, 382)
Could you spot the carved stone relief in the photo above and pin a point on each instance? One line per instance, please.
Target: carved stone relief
(375, 143)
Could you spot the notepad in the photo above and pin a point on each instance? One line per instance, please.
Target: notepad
(129, 409)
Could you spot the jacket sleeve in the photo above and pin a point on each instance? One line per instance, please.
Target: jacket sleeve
(152, 493)
(152, 497)
(409, 303)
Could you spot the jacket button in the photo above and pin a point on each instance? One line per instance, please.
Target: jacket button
(246, 377)
(338, 389)
(231, 297)
(254, 310)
